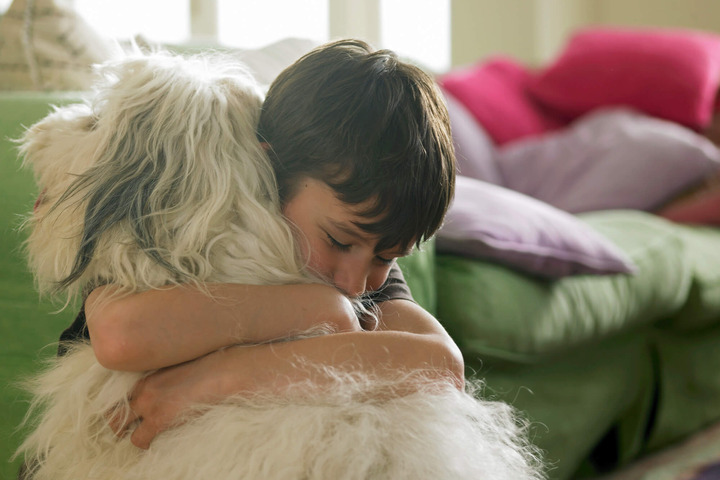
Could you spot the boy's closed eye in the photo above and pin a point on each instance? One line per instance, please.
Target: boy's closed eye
(385, 261)
(343, 247)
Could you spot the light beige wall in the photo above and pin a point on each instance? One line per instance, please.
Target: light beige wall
(483, 27)
(534, 31)
(700, 14)
(349, 18)
(556, 20)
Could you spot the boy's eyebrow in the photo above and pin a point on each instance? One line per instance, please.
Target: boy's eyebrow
(402, 253)
(349, 229)
(355, 232)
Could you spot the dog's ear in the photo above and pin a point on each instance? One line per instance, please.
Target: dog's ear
(58, 148)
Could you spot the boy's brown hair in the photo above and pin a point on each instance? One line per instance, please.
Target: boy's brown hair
(370, 126)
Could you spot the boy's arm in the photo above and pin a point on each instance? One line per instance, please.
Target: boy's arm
(160, 328)
(408, 338)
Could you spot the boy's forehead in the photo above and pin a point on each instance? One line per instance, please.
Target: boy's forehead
(353, 228)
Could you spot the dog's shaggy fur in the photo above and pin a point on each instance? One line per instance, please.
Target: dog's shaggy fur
(160, 180)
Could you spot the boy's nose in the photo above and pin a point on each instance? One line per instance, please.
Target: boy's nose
(351, 283)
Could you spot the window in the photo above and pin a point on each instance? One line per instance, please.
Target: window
(163, 21)
(416, 29)
(255, 23)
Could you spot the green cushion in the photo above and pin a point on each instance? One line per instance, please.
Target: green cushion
(573, 400)
(702, 253)
(28, 327)
(419, 272)
(495, 312)
(687, 346)
(689, 396)
(22, 109)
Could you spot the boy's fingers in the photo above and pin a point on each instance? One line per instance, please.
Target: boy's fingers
(143, 435)
(146, 429)
(120, 420)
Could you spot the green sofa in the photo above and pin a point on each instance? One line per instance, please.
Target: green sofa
(606, 368)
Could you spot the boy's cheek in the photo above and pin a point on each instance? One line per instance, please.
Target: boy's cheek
(317, 261)
(378, 278)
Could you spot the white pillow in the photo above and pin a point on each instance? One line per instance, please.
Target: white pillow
(267, 62)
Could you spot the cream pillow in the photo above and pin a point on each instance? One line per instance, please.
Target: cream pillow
(46, 45)
(267, 62)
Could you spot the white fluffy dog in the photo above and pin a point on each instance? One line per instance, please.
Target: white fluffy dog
(159, 179)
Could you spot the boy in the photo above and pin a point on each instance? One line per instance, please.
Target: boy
(361, 147)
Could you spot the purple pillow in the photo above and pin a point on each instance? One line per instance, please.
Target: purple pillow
(493, 223)
(474, 150)
(610, 159)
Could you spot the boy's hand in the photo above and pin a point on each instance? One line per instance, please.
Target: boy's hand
(163, 399)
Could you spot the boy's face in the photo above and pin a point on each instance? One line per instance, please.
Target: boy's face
(336, 249)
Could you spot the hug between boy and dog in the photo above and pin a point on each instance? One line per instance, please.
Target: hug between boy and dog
(236, 261)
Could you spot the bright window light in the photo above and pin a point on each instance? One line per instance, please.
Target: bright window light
(166, 21)
(256, 23)
(419, 30)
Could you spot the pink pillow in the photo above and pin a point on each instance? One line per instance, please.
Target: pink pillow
(671, 74)
(495, 93)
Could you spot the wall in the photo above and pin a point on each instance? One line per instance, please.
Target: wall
(534, 30)
(700, 14)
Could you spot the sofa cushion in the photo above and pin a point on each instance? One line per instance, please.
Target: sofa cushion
(689, 384)
(419, 272)
(672, 74)
(609, 159)
(702, 308)
(492, 311)
(494, 91)
(474, 150)
(28, 325)
(493, 223)
(573, 400)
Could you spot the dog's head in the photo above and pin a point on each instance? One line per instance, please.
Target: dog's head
(158, 179)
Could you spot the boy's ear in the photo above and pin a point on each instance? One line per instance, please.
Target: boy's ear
(265, 146)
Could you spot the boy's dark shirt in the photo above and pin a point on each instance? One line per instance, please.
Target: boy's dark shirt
(394, 288)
